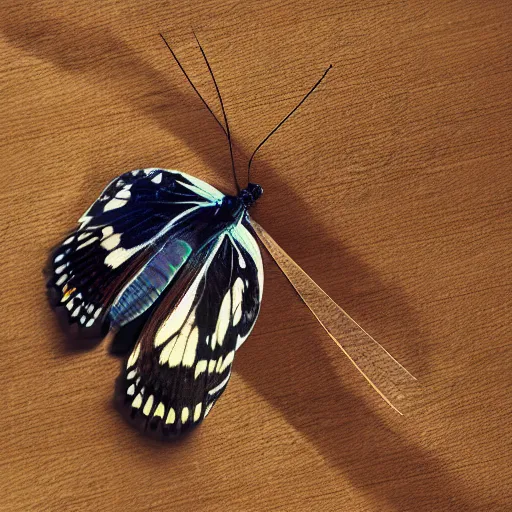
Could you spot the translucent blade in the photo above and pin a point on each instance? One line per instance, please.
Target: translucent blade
(385, 374)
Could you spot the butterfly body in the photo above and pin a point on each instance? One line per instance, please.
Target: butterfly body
(168, 248)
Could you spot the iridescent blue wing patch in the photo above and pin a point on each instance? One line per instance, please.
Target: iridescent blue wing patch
(182, 361)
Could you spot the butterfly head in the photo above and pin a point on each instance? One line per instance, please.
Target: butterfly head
(250, 194)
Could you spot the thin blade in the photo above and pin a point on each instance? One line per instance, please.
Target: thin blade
(385, 374)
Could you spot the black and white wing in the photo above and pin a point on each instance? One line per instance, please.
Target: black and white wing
(129, 245)
(182, 361)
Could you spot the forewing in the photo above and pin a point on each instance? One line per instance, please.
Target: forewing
(142, 217)
(182, 361)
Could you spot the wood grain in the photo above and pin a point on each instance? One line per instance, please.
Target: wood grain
(391, 188)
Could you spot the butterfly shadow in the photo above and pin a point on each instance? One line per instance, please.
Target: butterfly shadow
(349, 431)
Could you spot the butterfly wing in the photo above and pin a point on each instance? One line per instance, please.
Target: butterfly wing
(182, 361)
(129, 245)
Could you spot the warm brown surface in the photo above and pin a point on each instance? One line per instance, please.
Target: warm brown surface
(392, 188)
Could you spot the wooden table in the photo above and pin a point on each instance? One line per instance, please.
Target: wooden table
(391, 187)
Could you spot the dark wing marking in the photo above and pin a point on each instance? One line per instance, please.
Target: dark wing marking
(182, 361)
(141, 216)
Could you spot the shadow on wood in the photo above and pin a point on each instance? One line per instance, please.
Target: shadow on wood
(98, 55)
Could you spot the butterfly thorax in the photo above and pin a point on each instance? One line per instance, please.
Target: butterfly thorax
(233, 207)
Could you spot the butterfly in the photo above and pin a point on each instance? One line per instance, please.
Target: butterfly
(172, 267)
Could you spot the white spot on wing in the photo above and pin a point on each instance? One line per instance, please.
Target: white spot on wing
(200, 367)
(61, 280)
(237, 293)
(157, 179)
(107, 231)
(237, 315)
(227, 361)
(159, 411)
(118, 256)
(133, 357)
(190, 350)
(114, 204)
(124, 194)
(224, 317)
(148, 405)
(241, 260)
(111, 242)
(197, 411)
(88, 242)
(137, 402)
(171, 417)
(184, 414)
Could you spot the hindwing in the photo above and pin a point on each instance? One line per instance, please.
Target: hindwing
(182, 362)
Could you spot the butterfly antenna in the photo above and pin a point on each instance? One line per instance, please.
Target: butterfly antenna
(283, 121)
(192, 84)
(228, 133)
